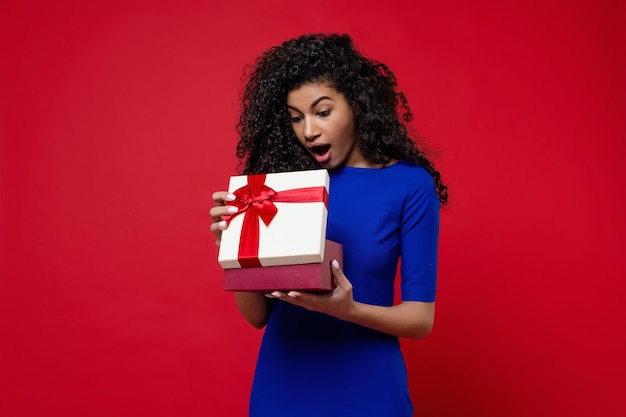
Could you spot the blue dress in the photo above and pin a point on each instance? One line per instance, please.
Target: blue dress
(314, 365)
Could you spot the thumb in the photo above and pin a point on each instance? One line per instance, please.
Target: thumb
(340, 277)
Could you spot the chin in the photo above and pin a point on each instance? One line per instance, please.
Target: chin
(330, 165)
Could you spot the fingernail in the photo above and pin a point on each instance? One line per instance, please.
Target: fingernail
(269, 295)
(291, 294)
(232, 209)
(230, 197)
(222, 224)
(335, 264)
(276, 294)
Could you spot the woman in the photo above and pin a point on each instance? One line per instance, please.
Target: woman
(316, 102)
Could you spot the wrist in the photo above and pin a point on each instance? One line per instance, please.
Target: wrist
(353, 312)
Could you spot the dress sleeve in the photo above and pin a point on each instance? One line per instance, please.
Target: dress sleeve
(419, 236)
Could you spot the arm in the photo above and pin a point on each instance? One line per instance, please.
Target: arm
(419, 235)
(253, 306)
(411, 319)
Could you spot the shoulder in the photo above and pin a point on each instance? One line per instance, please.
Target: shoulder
(414, 190)
(412, 177)
(417, 198)
(398, 181)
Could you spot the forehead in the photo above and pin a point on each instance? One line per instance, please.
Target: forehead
(310, 92)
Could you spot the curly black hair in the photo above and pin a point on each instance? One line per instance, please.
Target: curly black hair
(381, 112)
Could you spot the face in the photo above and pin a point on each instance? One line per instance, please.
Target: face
(323, 122)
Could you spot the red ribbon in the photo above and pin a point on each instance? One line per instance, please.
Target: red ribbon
(257, 200)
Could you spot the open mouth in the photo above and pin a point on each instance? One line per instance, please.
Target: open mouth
(320, 149)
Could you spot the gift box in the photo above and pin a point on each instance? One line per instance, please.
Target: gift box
(278, 232)
(304, 277)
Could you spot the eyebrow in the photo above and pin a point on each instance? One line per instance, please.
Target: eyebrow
(315, 103)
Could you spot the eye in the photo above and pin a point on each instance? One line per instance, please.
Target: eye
(295, 119)
(323, 113)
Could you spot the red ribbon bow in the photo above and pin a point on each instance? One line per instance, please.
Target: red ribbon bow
(257, 200)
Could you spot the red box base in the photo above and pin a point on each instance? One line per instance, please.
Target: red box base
(303, 277)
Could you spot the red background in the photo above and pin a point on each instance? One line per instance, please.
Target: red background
(117, 122)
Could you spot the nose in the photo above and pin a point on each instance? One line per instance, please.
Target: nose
(311, 131)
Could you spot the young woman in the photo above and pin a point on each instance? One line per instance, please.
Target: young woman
(316, 102)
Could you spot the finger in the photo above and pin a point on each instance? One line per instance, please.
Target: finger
(275, 294)
(340, 277)
(217, 213)
(221, 197)
(216, 229)
(300, 299)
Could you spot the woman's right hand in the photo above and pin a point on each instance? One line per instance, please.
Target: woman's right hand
(221, 209)
(254, 307)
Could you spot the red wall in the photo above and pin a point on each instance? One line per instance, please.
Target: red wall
(117, 122)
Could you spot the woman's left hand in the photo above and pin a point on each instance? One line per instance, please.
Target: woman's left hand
(338, 303)
(412, 319)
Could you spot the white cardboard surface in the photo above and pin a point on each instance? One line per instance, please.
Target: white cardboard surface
(297, 233)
